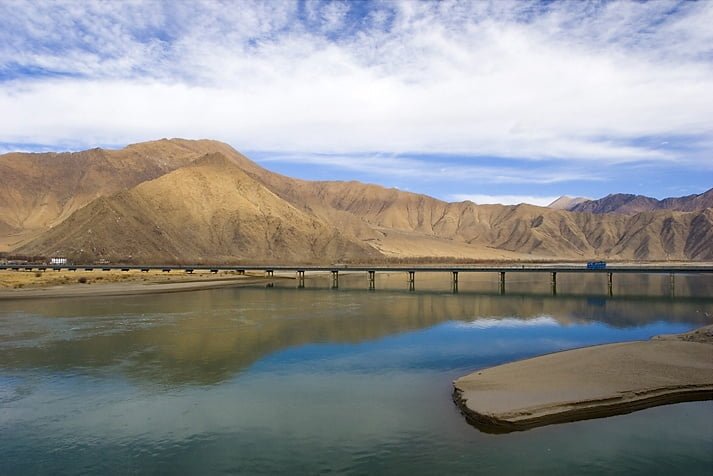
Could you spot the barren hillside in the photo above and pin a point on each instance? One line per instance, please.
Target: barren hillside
(208, 211)
(38, 191)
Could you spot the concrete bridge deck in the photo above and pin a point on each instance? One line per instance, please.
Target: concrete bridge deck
(641, 269)
(411, 271)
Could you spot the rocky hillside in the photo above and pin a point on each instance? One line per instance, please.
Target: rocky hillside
(208, 211)
(38, 191)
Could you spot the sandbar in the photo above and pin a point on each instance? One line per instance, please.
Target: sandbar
(590, 382)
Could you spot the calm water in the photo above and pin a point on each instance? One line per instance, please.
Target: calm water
(285, 380)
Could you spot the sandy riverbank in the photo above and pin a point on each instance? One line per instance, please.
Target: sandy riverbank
(53, 284)
(591, 382)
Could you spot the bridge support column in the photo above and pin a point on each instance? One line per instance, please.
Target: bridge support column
(335, 279)
(241, 272)
(610, 282)
(554, 283)
(371, 279)
(502, 282)
(672, 285)
(300, 278)
(455, 281)
(412, 280)
(268, 273)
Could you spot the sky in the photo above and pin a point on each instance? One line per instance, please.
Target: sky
(496, 101)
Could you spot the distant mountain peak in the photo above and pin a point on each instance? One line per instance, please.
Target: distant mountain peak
(566, 202)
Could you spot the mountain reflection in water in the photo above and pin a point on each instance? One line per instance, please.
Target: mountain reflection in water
(208, 336)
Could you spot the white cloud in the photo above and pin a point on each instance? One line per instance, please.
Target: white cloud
(573, 81)
(505, 199)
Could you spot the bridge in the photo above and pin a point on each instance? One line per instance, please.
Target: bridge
(410, 271)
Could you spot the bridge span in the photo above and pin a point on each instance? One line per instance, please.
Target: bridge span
(371, 271)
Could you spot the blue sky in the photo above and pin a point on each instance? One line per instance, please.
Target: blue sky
(493, 101)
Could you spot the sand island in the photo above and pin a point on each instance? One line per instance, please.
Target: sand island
(591, 382)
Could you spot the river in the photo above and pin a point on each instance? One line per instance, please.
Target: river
(283, 380)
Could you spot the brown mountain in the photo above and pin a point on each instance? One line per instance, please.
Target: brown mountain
(207, 211)
(206, 202)
(38, 191)
(626, 203)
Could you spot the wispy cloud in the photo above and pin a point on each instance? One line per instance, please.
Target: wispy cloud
(568, 81)
(431, 168)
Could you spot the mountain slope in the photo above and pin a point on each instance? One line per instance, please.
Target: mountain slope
(40, 190)
(527, 230)
(208, 211)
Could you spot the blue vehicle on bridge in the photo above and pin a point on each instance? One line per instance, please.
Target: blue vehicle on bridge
(596, 265)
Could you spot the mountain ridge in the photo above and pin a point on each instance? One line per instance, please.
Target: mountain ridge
(261, 215)
(630, 203)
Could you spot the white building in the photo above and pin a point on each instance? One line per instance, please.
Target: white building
(58, 261)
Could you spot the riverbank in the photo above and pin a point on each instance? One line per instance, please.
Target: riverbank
(57, 284)
(591, 382)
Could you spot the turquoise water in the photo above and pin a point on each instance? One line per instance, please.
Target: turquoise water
(305, 381)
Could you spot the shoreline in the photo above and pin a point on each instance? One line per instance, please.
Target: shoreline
(589, 382)
(73, 290)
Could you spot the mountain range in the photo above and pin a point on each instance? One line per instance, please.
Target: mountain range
(179, 201)
(631, 204)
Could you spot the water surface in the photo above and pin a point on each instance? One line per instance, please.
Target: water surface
(315, 380)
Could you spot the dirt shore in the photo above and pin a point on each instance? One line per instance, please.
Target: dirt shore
(56, 284)
(591, 382)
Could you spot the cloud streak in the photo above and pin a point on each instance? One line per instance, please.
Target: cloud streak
(569, 81)
(429, 169)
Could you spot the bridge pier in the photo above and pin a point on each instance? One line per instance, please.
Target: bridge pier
(335, 279)
(300, 278)
(241, 272)
(672, 285)
(455, 281)
(610, 282)
(371, 279)
(412, 280)
(554, 283)
(268, 273)
(502, 282)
